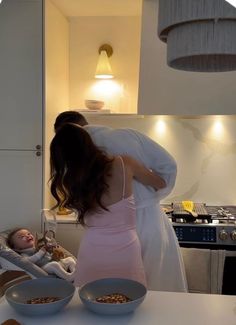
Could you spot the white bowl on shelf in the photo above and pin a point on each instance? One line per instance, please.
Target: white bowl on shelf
(94, 104)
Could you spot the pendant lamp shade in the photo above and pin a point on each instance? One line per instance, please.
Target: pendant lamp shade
(200, 34)
(103, 70)
(232, 2)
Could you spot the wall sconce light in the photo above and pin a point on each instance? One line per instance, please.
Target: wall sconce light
(103, 70)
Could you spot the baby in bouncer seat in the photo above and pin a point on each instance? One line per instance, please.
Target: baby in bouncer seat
(48, 256)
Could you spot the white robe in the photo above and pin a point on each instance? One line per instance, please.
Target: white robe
(160, 249)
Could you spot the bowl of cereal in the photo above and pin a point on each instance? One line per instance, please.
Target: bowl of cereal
(112, 296)
(41, 296)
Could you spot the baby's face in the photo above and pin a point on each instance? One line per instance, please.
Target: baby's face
(23, 239)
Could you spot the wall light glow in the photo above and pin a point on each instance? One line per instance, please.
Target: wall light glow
(217, 129)
(109, 91)
(160, 127)
(106, 88)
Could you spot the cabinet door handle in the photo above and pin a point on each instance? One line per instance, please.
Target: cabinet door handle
(38, 153)
(38, 147)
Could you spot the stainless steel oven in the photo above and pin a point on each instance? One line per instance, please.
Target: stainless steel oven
(208, 241)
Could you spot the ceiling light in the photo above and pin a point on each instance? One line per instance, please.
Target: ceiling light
(232, 2)
(200, 35)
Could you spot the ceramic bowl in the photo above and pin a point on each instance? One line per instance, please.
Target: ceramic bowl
(18, 295)
(132, 289)
(94, 104)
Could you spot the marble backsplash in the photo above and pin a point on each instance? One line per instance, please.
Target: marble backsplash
(203, 147)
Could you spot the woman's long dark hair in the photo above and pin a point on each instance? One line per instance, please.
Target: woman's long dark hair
(79, 171)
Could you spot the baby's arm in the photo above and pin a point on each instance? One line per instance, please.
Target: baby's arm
(35, 257)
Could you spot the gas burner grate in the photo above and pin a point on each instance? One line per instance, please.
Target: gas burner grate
(199, 208)
(223, 214)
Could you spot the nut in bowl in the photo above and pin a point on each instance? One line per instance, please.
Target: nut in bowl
(94, 104)
(112, 296)
(38, 297)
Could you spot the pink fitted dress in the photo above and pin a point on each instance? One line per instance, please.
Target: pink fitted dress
(110, 247)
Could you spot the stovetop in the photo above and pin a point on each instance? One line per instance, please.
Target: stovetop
(213, 225)
(223, 215)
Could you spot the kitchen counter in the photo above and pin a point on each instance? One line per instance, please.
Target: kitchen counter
(162, 308)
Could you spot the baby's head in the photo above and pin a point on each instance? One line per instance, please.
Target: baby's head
(21, 238)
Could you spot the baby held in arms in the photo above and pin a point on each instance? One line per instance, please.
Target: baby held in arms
(23, 242)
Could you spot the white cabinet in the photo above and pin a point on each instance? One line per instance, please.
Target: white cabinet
(21, 110)
(69, 236)
(68, 232)
(163, 90)
(20, 186)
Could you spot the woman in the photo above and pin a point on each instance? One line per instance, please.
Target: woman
(161, 254)
(99, 188)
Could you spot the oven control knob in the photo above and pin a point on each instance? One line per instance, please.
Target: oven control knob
(233, 235)
(223, 235)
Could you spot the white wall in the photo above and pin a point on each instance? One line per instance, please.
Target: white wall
(204, 149)
(206, 160)
(163, 90)
(71, 54)
(57, 74)
(87, 34)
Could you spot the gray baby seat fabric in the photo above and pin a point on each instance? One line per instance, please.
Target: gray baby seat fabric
(11, 260)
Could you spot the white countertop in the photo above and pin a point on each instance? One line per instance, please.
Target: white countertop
(49, 217)
(158, 308)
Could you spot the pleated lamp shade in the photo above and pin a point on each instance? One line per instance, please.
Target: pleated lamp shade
(232, 2)
(200, 34)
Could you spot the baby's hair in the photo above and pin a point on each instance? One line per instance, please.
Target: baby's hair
(10, 241)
